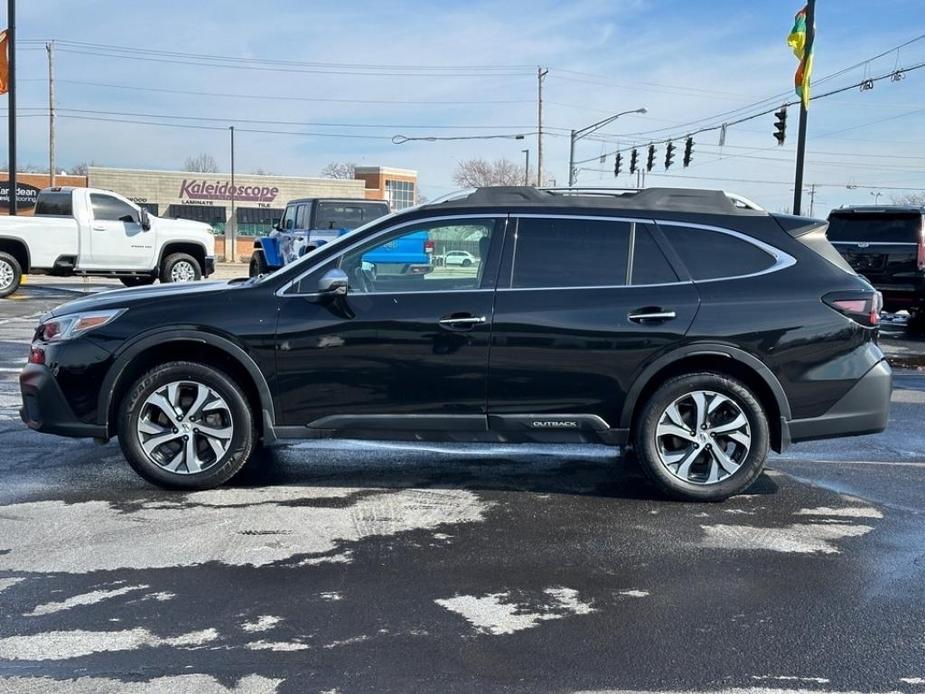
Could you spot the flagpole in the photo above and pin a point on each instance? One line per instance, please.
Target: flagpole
(11, 113)
(801, 141)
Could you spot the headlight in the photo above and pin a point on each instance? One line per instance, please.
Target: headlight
(74, 324)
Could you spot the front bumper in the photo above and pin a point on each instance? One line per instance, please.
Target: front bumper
(46, 409)
(864, 409)
(210, 266)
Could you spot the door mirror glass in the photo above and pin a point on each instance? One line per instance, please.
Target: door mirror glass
(333, 283)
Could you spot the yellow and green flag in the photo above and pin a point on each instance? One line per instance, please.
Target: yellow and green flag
(797, 41)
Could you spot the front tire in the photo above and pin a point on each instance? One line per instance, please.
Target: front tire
(702, 437)
(258, 265)
(10, 274)
(180, 267)
(185, 425)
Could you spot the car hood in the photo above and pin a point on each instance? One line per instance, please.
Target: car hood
(124, 298)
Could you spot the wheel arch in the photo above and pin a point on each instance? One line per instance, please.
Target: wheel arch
(718, 359)
(197, 250)
(185, 345)
(18, 249)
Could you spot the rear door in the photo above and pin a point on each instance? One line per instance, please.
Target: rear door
(116, 239)
(883, 246)
(583, 305)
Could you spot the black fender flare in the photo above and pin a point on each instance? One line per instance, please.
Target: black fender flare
(159, 337)
(165, 251)
(25, 248)
(699, 350)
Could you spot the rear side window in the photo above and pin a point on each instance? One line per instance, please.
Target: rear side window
(710, 255)
(875, 227)
(108, 208)
(570, 253)
(649, 263)
(54, 204)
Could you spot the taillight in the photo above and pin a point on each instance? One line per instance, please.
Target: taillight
(922, 245)
(36, 355)
(429, 247)
(861, 307)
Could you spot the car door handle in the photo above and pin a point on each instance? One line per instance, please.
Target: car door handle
(98, 227)
(462, 321)
(652, 315)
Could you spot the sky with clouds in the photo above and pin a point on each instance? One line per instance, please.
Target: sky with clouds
(685, 61)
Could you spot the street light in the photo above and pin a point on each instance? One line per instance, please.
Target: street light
(584, 132)
(876, 195)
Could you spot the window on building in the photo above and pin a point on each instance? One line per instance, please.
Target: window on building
(109, 209)
(400, 194)
(570, 253)
(214, 216)
(256, 221)
(712, 254)
(151, 207)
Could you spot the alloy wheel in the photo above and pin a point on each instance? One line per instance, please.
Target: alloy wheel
(703, 437)
(185, 427)
(182, 271)
(7, 275)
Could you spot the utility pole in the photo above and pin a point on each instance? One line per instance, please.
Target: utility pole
(11, 76)
(812, 198)
(50, 47)
(540, 76)
(801, 141)
(231, 230)
(526, 166)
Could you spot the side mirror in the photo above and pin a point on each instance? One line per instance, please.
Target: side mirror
(333, 283)
(276, 224)
(145, 220)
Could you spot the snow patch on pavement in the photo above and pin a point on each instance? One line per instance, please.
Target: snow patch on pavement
(262, 623)
(84, 599)
(278, 646)
(181, 684)
(243, 527)
(61, 645)
(9, 582)
(499, 613)
(331, 596)
(848, 512)
(804, 538)
(635, 593)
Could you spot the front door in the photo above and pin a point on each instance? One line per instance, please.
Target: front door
(407, 347)
(117, 241)
(582, 306)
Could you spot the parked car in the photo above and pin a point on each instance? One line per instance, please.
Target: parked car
(461, 258)
(308, 223)
(886, 245)
(695, 327)
(90, 232)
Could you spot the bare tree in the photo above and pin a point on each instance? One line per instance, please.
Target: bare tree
(479, 173)
(83, 168)
(911, 199)
(339, 169)
(260, 171)
(202, 163)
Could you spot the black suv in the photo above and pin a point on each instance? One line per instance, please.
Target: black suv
(691, 325)
(887, 246)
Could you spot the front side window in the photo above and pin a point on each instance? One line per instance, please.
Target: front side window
(108, 208)
(288, 222)
(713, 254)
(303, 217)
(405, 260)
(554, 252)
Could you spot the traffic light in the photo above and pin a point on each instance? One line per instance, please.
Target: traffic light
(634, 161)
(780, 125)
(650, 163)
(688, 151)
(617, 165)
(669, 155)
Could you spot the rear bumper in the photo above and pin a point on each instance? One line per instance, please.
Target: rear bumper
(46, 409)
(864, 409)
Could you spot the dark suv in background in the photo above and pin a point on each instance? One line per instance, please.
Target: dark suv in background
(691, 325)
(887, 246)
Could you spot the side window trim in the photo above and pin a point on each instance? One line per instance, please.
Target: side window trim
(498, 217)
(782, 260)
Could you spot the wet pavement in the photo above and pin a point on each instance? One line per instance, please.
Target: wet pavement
(386, 567)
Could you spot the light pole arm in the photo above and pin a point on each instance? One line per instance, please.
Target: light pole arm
(594, 127)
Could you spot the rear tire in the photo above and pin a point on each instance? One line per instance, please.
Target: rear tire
(258, 265)
(702, 437)
(137, 281)
(916, 324)
(185, 425)
(180, 267)
(10, 274)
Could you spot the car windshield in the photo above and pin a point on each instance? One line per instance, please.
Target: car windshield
(875, 227)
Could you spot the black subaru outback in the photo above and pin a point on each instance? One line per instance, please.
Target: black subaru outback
(691, 325)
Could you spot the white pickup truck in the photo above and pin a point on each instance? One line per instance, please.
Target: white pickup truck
(85, 231)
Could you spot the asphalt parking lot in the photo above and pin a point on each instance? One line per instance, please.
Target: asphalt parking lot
(375, 566)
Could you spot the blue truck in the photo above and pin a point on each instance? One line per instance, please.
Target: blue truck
(308, 223)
